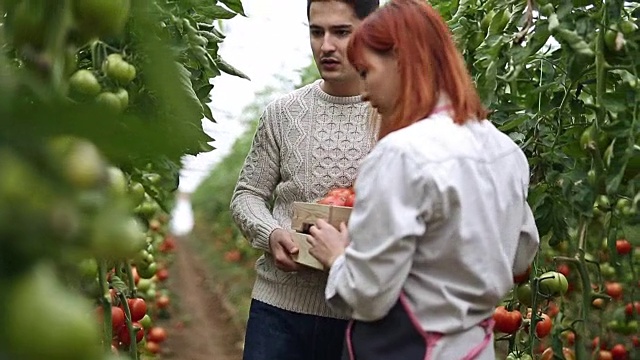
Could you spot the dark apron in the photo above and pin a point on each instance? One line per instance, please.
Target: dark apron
(399, 336)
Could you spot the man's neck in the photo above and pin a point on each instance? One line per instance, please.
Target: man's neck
(342, 88)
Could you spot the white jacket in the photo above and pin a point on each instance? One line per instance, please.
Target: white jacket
(440, 214)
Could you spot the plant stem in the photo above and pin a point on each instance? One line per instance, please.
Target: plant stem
(57, 43)
(131, 280)
(581, 328)
(106, 304)
(133, 344)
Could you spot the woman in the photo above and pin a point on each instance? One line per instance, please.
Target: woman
(441, 223)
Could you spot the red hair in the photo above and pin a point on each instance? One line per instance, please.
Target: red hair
(429, 64)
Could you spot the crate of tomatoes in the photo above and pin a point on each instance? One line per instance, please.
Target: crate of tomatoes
(335, 208)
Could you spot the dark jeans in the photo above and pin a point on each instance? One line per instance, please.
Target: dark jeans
(276, 334)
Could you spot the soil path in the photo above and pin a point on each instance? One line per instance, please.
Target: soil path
(199, 328)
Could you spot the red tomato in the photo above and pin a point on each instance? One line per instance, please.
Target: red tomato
(232, 256)
(162, 274)
(623, 246)
(605, 355)
(138, 308)
(563, 269)
(152, 347)
(596, 343)
(339, 192)
(547, 354)
(613, 289)
(543, 326)
(136, 276)
(123, 333)
(350, 200)
(332, 200)
(553, 309)
(571, 337)
(157, 334)
(163, 302)
(507, 321)
(619, 352)
(630, 308)
(520, 278)
(117, 316)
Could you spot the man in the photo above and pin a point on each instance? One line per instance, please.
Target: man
(306, 143)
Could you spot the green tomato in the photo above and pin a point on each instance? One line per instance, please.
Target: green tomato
(37, 305)
(143, 284)
(607, 270)
(88, 268)
(146, 321)
(83, 166)
(553, 283)
(123, 96)
(627, 27)
(109, 101)
(147, 272)
(136, 192)
(524, 294)
(116, 234)
(610, 40)
(118, 69)
(101, 18)
(84, 82)
(117, 181)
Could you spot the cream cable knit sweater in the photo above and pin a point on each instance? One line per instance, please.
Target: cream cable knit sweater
(306, 143)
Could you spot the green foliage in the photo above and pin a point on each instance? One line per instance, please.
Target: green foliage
(99, 101)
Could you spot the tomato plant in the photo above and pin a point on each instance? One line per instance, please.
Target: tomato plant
(100, 100)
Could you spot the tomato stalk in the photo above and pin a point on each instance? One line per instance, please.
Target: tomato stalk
(106, 304)
(133, 344)
(581, 324)
(130, 280)
(62, 22)
(601, 72)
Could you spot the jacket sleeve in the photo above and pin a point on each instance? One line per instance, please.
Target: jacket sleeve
(384, 227)
(258, 179)
(527, 243)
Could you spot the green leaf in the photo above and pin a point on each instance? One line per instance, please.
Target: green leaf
(118, 284)
(204, 91)
(216, 12)
(514, 123)
(207, 113)
(185, 80)
(614, 102)
(235, 5)
(227, 68)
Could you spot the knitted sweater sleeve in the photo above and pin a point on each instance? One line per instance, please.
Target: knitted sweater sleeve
(258, 179)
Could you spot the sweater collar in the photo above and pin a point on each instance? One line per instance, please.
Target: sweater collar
(341, 100)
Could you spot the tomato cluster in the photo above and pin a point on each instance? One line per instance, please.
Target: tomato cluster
(339, 197)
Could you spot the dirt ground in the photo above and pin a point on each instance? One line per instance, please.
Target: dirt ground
(200, 327)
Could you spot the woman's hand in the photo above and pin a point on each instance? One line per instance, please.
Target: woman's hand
(327, 243)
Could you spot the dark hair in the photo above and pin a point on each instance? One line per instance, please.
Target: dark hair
(362, 8)
(428, 62)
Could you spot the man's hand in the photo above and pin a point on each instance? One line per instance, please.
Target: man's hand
(327, 243)
(282, 248)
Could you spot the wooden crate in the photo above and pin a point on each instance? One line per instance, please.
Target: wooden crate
(306, 214)
(303, 257)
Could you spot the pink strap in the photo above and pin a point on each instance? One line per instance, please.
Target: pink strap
(488, 328)
(349, 344)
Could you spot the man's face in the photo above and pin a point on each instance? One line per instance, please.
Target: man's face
(331, 23)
